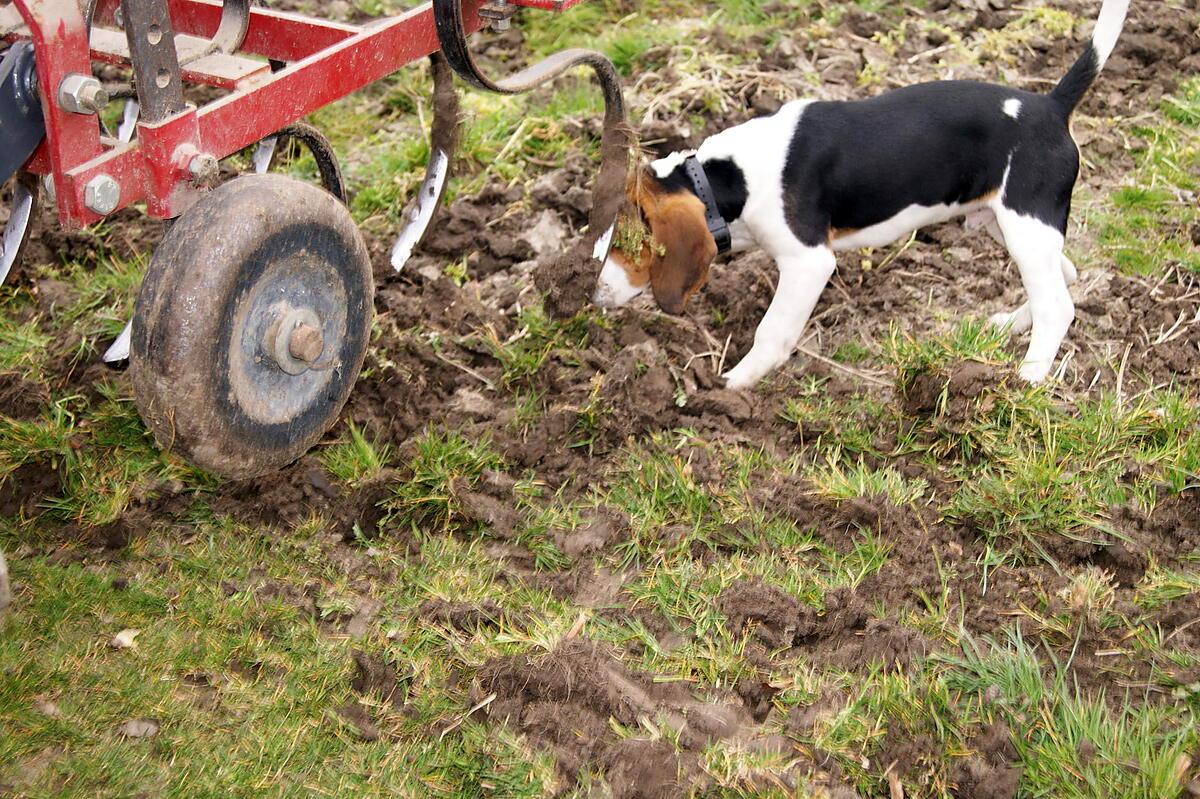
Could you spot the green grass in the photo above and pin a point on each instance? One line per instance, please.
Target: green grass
(1150, 225)
(356, 459)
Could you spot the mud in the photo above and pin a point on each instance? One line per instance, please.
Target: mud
(21, 398)
(378, 679)
(989, 772)
(461, 615)
(359, 718)
(22, 494)
(563, 700)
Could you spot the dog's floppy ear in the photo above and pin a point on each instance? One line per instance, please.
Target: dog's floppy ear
(685, 248)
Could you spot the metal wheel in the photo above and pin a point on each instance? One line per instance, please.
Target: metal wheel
(251, 325)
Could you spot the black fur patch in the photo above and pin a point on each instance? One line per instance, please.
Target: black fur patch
(726, 179)
(728, 185)
(852, 165)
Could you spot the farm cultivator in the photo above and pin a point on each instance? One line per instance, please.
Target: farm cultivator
(254, 314)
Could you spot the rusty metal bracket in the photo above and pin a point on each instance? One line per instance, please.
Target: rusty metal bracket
(155, 61)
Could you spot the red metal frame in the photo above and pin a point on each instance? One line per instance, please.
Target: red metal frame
(326, 61)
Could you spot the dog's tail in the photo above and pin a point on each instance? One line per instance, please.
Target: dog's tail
(1083, 72)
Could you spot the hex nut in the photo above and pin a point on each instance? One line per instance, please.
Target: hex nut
(102, 194)
(82, 94)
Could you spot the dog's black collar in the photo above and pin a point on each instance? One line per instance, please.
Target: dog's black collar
(717, 225)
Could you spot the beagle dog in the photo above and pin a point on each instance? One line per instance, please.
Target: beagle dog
(818, 177)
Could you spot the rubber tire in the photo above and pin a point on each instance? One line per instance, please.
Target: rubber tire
(192, 332)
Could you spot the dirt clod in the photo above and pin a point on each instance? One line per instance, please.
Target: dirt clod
(375, 677)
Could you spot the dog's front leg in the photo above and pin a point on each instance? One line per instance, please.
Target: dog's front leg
(802, 277)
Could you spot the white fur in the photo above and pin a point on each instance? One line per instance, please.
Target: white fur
(803, 273)
(668, 163)
(1038, 250)
(614, 289)
(906, 221)
(1020, 320)
(759, 148)
(1012, 107)
(1108, 28)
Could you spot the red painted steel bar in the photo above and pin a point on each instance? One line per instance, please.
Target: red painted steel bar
(273, 34)
(327, 61)
(154, 167)
(239, 120)
(61, 48)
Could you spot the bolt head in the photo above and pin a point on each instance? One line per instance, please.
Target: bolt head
(82, 94)
(102, 194)
(306, 343)
(204, 168)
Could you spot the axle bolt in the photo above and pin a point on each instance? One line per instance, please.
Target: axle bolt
(82, 94)
(306, 343)
(205, 169)
(102, 194)
(294, 340)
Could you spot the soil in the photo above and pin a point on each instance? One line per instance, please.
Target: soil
(376, 678)
(563, 700)
(646, 372)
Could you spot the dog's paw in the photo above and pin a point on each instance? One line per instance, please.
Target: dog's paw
(1034, 371)
(1012, 322)
(1002, 320)
(739, 379)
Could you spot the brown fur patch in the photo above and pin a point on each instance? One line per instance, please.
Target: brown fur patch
(678, 265)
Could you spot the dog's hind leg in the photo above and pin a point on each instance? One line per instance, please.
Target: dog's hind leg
(1037, 249)
(984, 218)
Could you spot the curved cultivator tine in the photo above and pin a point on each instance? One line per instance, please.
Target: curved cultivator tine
(5, 591)
(20, 220)
(317, 144)
(443, 142)
(609, 189)
(422, 209)
(604, 243)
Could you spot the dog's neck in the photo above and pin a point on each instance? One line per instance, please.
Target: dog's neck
(724, 177)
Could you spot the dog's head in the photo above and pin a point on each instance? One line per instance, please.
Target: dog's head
(661, 241)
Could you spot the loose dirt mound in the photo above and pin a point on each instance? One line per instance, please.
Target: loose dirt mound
(564, 700)
(777, 621)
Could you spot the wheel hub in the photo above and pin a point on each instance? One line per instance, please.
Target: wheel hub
(294, 340)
